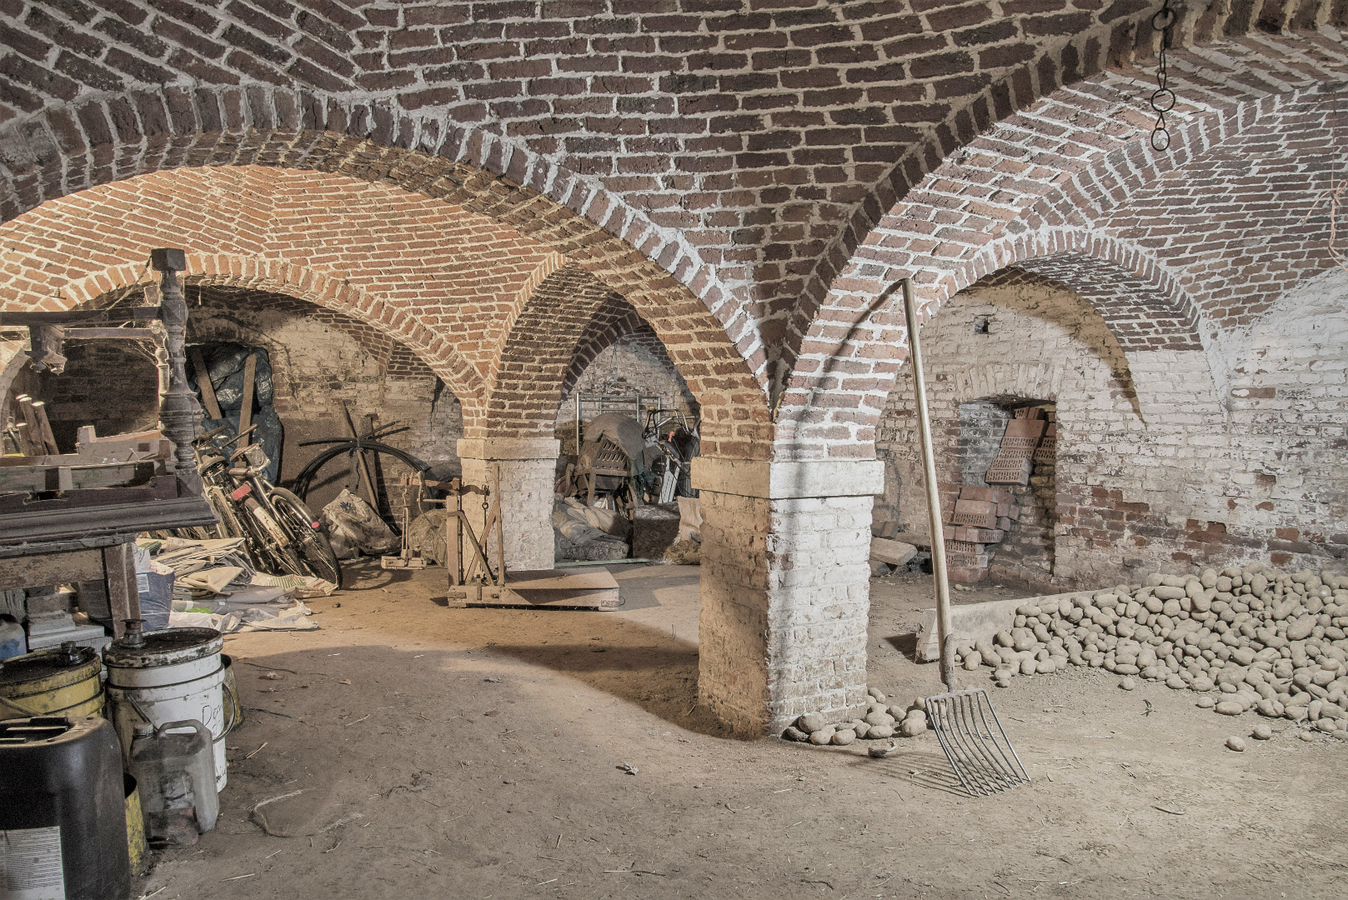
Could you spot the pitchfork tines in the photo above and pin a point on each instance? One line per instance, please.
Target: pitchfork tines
(974, 742)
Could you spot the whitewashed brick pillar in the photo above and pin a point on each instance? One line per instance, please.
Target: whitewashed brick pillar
(785, 588)
(528, 469)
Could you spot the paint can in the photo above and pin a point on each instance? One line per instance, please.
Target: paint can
(62, 681)
(174, 675)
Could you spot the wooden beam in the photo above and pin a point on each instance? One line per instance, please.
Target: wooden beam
(246, 410)
(119, 570)
(44, 427)
(50, 568)
(76, 317)
(98, 334)
(204, 383)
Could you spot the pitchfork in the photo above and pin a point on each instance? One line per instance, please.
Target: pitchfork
(964, 721)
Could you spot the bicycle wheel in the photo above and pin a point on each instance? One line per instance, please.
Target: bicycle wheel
(230, 526)
(271, 551)
(315, 550)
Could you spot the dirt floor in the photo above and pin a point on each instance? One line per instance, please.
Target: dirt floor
(422, 751)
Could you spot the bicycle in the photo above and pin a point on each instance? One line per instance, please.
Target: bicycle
(282, 535)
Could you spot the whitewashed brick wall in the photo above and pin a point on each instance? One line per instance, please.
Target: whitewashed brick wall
(1154, 469)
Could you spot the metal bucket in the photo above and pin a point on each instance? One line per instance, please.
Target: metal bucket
(62, 681)
(168, 676)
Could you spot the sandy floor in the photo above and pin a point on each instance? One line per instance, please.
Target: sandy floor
(433, 752)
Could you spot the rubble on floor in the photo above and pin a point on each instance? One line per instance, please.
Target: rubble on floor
(214, 585)
(589, 532)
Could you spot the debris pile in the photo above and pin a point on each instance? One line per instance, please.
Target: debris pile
(1247, 638)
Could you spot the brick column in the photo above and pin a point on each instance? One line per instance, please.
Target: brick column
(785, 587)
(528, 470)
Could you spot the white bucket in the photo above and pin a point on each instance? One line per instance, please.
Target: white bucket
(171, 678)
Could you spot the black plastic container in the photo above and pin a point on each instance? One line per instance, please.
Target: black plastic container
(62, 809)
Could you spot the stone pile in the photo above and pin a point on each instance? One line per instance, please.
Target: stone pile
(1247, 638)
(881, 721)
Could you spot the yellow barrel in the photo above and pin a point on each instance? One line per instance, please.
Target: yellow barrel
(135, 824)
(58, 682)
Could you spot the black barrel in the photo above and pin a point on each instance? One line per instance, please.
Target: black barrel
(62, 810)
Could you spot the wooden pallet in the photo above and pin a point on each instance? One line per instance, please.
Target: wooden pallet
(581, 588)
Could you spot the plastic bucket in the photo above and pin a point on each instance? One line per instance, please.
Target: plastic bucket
(174, 675)
(62, 681)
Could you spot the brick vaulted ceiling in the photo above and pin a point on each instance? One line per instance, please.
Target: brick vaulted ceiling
(749, 174)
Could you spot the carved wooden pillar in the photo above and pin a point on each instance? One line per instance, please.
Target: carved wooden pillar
(179, 413)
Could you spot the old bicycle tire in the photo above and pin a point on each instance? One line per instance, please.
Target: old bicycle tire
(316, 554)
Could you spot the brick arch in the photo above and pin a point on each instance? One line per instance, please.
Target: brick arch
(612, 321)
(300, 283)
(537, 352)
(569, 320)
(61, 150)
(377, 343)
(1074, 158)
(747, 149)
(1127, 37)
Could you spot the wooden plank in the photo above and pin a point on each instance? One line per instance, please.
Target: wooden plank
(204, 384)
(361, 465)
(75, 317)
(119, 569)
(32, 431)
(246, 409)
(50, 568)
(103, 334)
(587, 588)
(453, 532)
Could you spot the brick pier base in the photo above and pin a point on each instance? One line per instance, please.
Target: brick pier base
(785, 588)
(527, 471)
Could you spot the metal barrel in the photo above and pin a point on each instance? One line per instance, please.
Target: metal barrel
(62, 681)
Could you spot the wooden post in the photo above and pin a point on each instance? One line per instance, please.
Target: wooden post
(179, 413)
(500, 527)
(44, 427)
(454, 535)
(119, 572)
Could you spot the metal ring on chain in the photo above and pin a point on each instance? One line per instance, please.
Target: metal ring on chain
(1163, 100)
(1160, 137)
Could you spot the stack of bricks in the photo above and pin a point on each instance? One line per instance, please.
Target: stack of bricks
(1047, 450)
(982, 516)
(1015, 458)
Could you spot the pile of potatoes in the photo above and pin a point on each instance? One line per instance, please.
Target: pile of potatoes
(881, 721)
(1246, 637)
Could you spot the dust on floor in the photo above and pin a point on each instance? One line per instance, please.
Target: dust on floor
(423, 751)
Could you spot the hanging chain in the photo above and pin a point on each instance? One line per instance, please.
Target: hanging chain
(1162, 99)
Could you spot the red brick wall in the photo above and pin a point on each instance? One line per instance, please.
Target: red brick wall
(752, 179)
(1177, 250)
